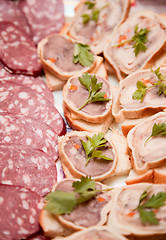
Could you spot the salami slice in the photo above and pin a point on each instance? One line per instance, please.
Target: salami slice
(45, 17)
(18, 52)
(9, 11)
(27, 167)
(18, 99)
(36, 83)
(20, 130)
(19, 212)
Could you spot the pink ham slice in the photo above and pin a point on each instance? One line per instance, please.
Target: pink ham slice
(36, 84)
(27, 167)
(9, 11)
(45, 17)
(19, 212)
(18, 52)
(18, 99)
(20, 130)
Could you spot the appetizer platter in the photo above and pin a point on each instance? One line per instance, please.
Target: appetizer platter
(82, 120)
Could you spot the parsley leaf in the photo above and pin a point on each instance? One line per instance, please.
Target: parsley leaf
(139, 94)
(59, 202)
(90, 83)
(158, 74)
(93, 145)
(95, 15)
(85, 18)
(138, 40)
(157, 130)
(83, 55)
(145, 204)
(90, 4)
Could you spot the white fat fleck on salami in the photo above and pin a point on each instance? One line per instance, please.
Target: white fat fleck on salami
(42, 110)
(1, 200)
(44, 17)
(17, 55)
(25, 128)
(27, 167)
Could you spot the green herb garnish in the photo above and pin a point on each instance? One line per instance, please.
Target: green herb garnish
(95, 95)
(145, 204)
(92, 147)
(59, 202)
(158, 130)
(83, 55)
(90, 4)
(139, 94)
(139, 39)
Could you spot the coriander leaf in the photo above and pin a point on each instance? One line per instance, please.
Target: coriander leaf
(86, 196)
(158, 130)
(94, 89)
(85, 81)
(59, 202)
(85, 18)
(145, 204)
(158, 74)
(156, 201)
(92, 145)
(84, 185)
(139, 94)
(95, 15)
(138, 40)
(82, 55)
(161, 81)
(90, 4)
(148, 217)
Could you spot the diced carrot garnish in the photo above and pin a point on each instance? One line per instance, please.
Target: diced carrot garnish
(155, 210)
(122, 38)
(129, 30)
(130, 214)
(105, 95)
(92, 39)
(100, 199)
(52, 60)
(73, 88)
(105, 15)
(77, 146)
(146, 81)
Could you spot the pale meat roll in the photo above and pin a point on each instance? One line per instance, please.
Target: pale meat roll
(73, 157)
(124, 219)
(123, 58)
(95, 233)
(75, 95)
(124, 106)
(147, 154)
(56, 54)
(111, 14)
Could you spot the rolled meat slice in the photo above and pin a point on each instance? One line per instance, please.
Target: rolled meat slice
(96, 233)
(90, 213)
(125, 217)
(94, 29)
(44, 17)
(56, 54)
(93, 113)
(135, 54)
(20, 130)
(27, 167)
(18, 99)
(9, 11)
(36, 84)
(18, 51)
(147, 150)
(19, 212)
(125, 105)
(73, 157)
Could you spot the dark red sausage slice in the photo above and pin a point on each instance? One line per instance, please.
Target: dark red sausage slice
(35, 83)
(20, 130)
(19, 212)
(17, 50)
(18, 99)
(44, 17)
(27, 167)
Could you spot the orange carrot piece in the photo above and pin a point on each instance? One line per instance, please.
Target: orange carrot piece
(73, 88)
(130, 214)
(100, 199)
(52, 60)
(105, 95)
(146, 81)
(122, 38)
(77, 146)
